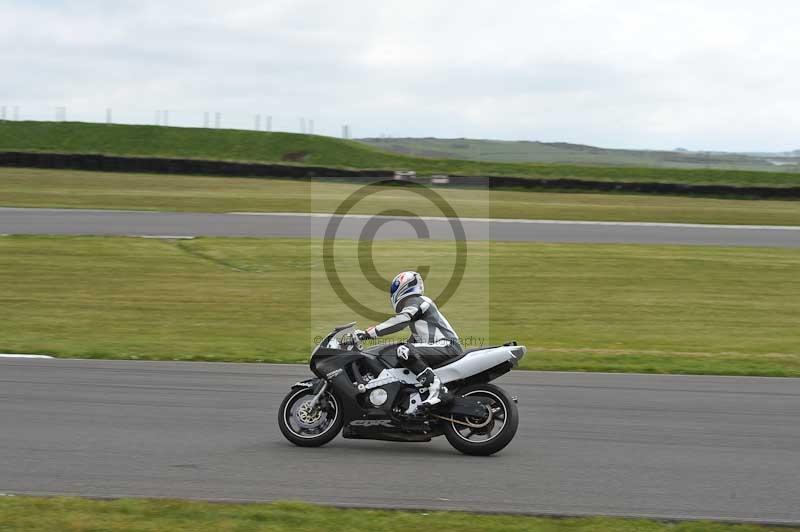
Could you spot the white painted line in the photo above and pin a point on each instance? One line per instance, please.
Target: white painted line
(619, 373)
(166, 237)
(79, 210)
(427, 218)
(526, 221)
(14, 355)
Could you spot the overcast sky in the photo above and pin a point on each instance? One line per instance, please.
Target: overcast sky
(641, 74)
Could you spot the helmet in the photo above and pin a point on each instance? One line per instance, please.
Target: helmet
(404, 285)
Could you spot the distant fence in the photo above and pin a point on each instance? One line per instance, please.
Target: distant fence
(157, 165)
(110, 163)
(577, 185)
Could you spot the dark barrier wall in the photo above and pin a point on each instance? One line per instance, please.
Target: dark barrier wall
(633, 187)
(110, 163)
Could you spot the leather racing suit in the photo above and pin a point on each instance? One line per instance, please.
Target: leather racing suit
(433, 340)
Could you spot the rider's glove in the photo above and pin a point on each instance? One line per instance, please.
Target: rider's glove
(364, 335)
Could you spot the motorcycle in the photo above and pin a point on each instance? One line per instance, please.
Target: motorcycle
(367, 394)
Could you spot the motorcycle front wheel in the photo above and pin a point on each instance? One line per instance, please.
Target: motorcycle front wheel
(489, 434)
(306, 426)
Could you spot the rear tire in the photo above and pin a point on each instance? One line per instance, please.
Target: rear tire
(306, 428)
(494, 436)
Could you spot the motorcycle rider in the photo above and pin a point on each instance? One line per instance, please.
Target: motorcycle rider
(432, 341)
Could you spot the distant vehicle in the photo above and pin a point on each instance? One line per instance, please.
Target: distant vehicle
(372, 397)
(440, 180)
(404, 175)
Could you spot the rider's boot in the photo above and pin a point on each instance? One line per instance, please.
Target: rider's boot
(437, 393)
(426, 377)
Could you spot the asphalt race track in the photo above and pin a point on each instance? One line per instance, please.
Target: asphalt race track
(142, 223)
(664, 446)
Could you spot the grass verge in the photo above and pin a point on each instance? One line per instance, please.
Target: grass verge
(635, 308)
(20, 187)
(31, 514)
(239, 145)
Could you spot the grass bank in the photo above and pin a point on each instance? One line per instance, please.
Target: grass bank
(253, 146)
(566, 153)
(22, 187)
(30, 514)
(635, 308)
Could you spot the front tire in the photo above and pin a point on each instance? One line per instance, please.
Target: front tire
(494, 435)
(304, 427)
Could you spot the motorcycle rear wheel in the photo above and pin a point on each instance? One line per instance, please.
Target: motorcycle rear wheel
(304, 427)
(492, 437)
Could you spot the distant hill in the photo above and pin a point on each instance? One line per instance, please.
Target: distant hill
(524, 151)
(317, 150)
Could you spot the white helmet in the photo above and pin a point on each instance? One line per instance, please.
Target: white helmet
(404, 285)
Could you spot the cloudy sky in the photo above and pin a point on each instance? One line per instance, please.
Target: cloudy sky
(701, 74)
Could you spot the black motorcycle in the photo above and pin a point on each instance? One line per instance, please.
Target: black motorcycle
(369, 394)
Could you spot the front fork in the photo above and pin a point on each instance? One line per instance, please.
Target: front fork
(318, 395)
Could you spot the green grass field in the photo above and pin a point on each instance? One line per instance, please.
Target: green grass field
(30, 514)
(661, 309)
(22, 187)
(238, 145)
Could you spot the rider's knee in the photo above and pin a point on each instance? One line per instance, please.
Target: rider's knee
(403, 351)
